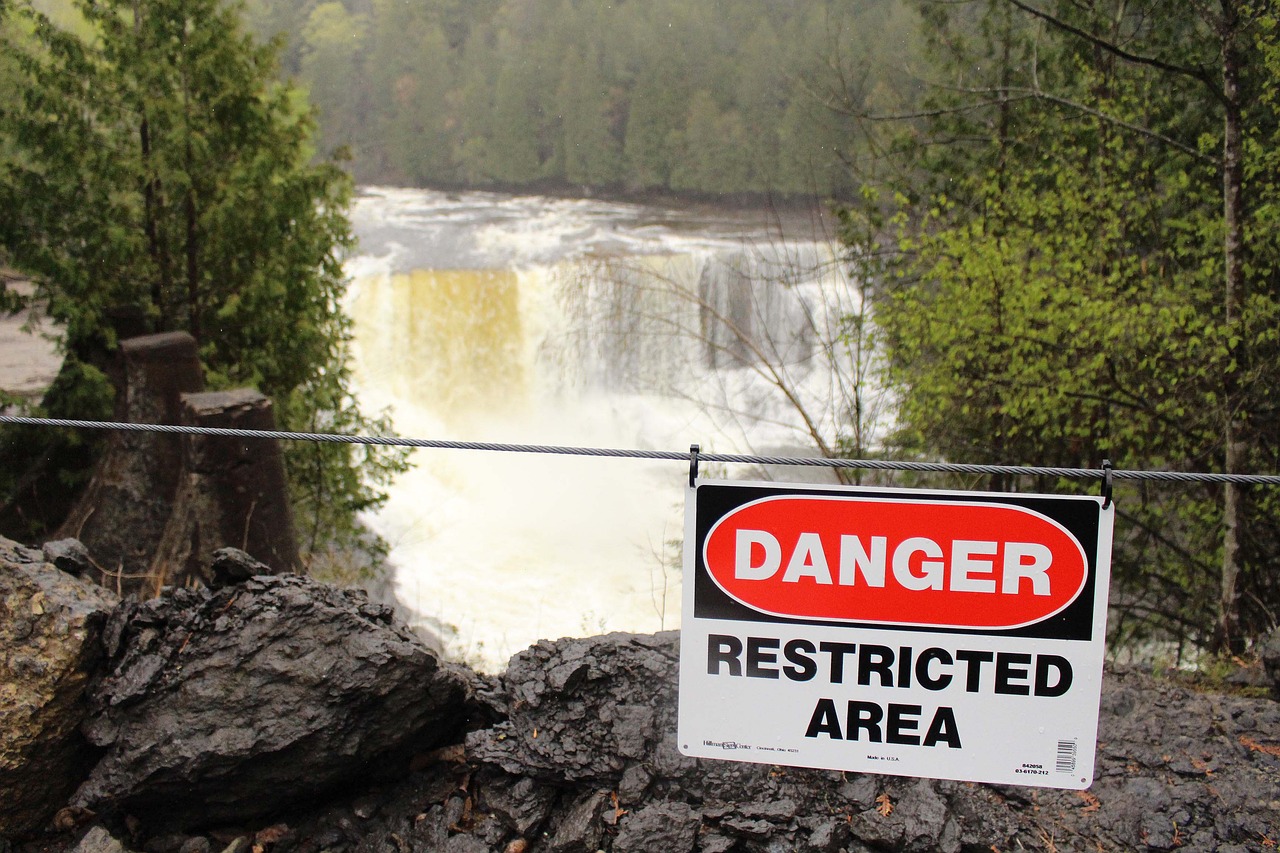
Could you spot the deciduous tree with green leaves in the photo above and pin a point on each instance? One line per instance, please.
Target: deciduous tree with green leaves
(158, 172)
(1087, 270)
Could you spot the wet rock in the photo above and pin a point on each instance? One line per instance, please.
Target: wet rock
(50, 629)
(828, 836)
(1183, 769)
(635, 781)
(227, 706)
(231, 566)
(582, 710)
(915, 814)
(465, 844)
(662, 826)
(1270, 654)
(575, 752)
(99, 840)
(580, 829)
(523, 805)
(1175, 767)
(70, 556)
(165, 843)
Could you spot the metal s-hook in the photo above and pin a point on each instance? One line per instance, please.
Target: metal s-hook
(1106, 483)
(693, 464)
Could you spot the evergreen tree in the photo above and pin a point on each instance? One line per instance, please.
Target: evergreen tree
(592, 153)
(331, 69)
(159, 172)
(282, 20)
(512, 152)
(761, 97)
(478, 65)
(694, 146)
(414, 111)
(657, 108)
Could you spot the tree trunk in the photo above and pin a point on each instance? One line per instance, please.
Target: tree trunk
(1227, 637)
(233, 492)
(123, 511)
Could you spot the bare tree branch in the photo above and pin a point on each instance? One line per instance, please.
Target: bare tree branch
(1040, 94)
(1200, 74)
(941, 111)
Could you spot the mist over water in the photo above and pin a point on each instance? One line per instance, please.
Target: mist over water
(482, 317)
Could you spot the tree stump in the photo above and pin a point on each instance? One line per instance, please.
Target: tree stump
(123, 511)
(233, 492)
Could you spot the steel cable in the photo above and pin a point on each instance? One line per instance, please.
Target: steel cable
(672, 455)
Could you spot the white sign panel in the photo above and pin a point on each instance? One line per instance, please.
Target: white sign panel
(951, 635)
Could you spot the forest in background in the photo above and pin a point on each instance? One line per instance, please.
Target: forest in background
(713, 99)
(666, 96)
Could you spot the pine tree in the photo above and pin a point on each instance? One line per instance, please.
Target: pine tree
(158, 172)
(331, 68)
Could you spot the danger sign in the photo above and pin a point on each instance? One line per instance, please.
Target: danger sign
(952, 635)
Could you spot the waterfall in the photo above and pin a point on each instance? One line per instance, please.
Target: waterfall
(536, 321)
(450, 340)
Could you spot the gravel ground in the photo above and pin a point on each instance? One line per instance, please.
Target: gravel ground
(29, 359)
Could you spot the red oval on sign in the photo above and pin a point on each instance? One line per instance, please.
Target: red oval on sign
(936, 564)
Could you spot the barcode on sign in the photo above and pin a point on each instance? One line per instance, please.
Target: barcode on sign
(1066, 756)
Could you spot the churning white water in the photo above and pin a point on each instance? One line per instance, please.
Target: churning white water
(483, 317)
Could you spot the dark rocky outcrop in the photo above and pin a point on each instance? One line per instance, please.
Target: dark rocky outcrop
(226, 706)
(279, 715)
(99, 840)
(583, 758)
(576, 715)
(50, 625)
(70, 556)
(1177, 768)
(230, 566)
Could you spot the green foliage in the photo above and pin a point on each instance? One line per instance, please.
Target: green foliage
(655, 119)
(159, 180)
(1056, 296)
(663, 95)
(406, 90)
(330, 39)
(587, 109)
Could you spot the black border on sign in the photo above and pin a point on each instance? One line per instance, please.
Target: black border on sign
(1081, 518)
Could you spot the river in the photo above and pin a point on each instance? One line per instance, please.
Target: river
(532, 320)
